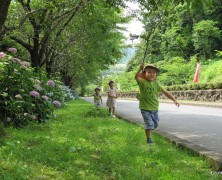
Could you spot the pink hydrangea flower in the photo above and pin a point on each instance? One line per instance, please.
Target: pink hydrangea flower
(12, 50)
(34, 93)
(16, 60)
(51, 83)
(37, 81)
(56, 104)
(2, 54)
(46, 98)
(25, 64)
(37, 87)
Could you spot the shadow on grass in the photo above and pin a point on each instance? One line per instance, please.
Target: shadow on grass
(2, 135)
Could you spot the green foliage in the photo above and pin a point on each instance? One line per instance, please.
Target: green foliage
(178, 34)
(195, 86)
(211, 72)
(177, 71)
(206, 37)
(80, 39)
(125, 80)
(96, 28)
(176, 74)
(218, 53)
(62, 36)
(90, 89)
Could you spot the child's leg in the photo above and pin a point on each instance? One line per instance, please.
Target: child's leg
(110, 110)
(114, 109)
(148, 133)
(148, 124)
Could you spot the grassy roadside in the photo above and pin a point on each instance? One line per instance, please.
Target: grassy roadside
(81, 143)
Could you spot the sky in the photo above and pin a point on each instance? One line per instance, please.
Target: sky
(134, 27)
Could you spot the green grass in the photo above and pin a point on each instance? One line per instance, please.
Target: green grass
(77, 145)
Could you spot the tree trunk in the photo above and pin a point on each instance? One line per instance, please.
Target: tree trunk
(83, 90)
(34, 58)
(4, 5)
(67, 79)
(49, 68)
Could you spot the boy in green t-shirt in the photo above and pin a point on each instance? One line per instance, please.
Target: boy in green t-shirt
(148, 101)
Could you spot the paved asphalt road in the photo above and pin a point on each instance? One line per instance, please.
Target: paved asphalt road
(198, 125)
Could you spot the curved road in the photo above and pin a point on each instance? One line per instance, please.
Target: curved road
(198, 125)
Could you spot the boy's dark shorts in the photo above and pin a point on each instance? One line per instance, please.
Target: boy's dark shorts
(151, 118)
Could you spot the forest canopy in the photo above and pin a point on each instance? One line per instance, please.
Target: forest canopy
(77, 40)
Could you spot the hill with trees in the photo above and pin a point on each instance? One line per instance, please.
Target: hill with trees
(122, 63)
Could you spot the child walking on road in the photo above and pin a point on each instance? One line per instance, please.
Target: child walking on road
(97, 97)
(148, 101)
(111, 100)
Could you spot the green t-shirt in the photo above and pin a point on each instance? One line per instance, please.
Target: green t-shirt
(97, 98)
(149, 91)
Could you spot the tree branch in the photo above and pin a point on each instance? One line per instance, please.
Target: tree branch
(71, 17)
(148, 37)
(23, 20)
(26, 45)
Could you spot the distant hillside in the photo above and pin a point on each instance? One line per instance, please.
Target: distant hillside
(121, 65)
(129, 52)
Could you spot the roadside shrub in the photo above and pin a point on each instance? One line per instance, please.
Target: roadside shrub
(184, 87)
(195, 86)
(203, 85)
(210, 86)
(26, 95)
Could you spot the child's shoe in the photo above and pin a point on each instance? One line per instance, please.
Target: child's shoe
(149, 141)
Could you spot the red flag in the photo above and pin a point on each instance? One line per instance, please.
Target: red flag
(196, 76)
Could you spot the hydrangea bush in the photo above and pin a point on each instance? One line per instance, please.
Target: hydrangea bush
(26, 95)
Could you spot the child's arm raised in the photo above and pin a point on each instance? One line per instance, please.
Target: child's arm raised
(138, 73)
